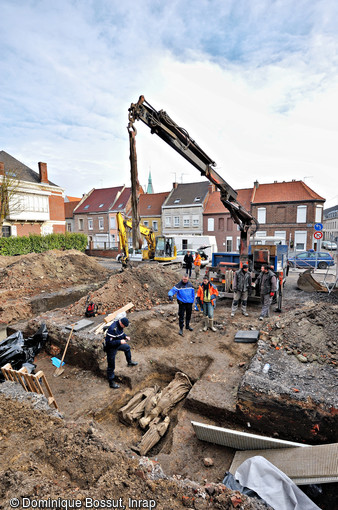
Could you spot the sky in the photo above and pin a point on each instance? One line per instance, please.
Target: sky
(255, 84)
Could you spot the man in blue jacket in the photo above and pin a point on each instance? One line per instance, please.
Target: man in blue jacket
(185, 294)
(116, 340)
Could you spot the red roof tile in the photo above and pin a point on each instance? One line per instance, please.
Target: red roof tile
(104, 196)
(150, 203)
(293, 191)
(69, 208)
(215, 206)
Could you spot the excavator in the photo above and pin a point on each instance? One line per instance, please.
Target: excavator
(160, 248)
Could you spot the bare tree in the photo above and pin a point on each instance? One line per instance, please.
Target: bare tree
(10, 200)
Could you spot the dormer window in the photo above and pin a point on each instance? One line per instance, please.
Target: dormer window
(197, 199)
(177, 201)
(101, 205)
(86, 207)
(119, 206)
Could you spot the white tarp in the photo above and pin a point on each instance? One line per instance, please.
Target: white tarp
(272, 485)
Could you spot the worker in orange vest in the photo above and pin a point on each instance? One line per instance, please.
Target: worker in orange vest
(197, 264)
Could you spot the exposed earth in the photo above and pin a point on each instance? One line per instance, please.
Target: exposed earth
(85, 452)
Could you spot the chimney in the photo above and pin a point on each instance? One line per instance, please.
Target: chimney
(211, 187)
(175, 185)
(256, 184)
(43, 173)
(2, 168)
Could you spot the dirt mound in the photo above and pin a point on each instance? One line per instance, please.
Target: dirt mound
(311, 332)
(45, 457)
(29, 275)
(143, 285)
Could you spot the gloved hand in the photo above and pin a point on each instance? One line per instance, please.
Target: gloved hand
(171, 298)
(272, 294)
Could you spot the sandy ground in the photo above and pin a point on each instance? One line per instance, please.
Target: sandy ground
(87, 452)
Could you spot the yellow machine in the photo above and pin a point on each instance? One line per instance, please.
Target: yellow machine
(160, 248)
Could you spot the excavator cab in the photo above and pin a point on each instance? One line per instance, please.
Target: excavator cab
(165, 249)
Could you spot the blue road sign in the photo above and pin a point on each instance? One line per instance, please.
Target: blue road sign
(318, 226)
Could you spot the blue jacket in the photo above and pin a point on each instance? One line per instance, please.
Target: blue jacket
(185, 292)
(114, 335)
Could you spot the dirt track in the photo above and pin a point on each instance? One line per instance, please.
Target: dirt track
(90, 408)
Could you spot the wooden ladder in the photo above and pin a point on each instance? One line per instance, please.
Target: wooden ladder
(30, 382)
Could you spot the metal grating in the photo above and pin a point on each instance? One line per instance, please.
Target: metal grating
(238, 440)
(316, 464)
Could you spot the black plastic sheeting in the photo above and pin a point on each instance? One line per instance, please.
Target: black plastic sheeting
(20, 351)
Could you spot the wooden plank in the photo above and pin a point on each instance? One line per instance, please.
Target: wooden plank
(51, 399)
(110, 318)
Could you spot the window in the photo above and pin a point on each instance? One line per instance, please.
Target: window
(112, 222)
(155, 226)
(90, 224)
(221, 224)
(197, 199)
(261, 214)
(229, 244)
(177, 201)
(186, 221)
(230, 223)
(6, 231)
(281, 234)
(195, 221)
(69, 227)
(101, 205)
(149, 207)
(238, 243)
(301, 214)
(176, 221)
(300, 240)
(86, 207)
(80, 224)
(167, 221)
(319, 210)
(211, 226)
(146, 223)
(101, 225)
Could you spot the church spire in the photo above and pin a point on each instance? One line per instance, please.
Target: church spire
(150, 184)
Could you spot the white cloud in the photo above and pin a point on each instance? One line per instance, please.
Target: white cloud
(254, 84)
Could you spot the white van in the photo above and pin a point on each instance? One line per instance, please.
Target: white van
(207, 244)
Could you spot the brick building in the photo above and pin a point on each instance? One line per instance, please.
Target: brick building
(287, 210)
(38, 205)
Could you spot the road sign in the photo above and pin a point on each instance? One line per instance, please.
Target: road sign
(318, 235)
(318, 226)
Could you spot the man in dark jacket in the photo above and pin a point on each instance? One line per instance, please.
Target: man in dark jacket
(185, 297)
(116, 340)
(267, 282)
(188, 260)
(241, 286)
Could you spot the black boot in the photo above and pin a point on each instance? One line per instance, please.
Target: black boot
(114, 385)
(132, 363)
(180, 332)
(189, 328)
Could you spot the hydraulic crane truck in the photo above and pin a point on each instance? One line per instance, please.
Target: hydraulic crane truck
(178, 138)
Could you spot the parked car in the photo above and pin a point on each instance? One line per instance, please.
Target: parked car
(329, 245)
(134, 255)
(181, 254)
(308, 259)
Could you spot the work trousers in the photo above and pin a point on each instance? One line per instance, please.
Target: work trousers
(111, 353)
(240, 296)
(197, 271)
(266, 300)
(208, 310)
(188, 270)
(184, 309)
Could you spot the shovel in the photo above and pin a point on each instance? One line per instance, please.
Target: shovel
(59, 370)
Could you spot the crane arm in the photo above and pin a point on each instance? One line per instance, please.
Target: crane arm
(178, 138)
